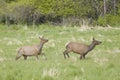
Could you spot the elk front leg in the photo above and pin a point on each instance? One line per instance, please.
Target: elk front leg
(44, 56)
(25, 57)
(81, 56)
(37, 57)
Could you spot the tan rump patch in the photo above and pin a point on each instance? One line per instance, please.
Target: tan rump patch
(67, 43)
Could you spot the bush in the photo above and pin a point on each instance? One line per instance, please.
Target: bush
(101, 21)
(111, 20)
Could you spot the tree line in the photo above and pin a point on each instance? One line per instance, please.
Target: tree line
(74, 12)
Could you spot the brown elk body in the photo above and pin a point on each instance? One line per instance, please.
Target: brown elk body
(33, 50)
(80, 48)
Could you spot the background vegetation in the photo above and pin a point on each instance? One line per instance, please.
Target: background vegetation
(60, 12)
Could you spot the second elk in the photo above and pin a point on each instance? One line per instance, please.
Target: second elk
(80, 48)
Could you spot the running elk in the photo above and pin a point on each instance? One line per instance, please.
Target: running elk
(80, 48)
(33, 50)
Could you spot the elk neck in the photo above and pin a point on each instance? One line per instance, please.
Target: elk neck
(40, 46)
(91, 47)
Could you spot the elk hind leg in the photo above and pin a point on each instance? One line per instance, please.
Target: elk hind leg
(18, 56)
(66, 53)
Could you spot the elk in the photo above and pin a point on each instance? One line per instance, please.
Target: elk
(79, 48)
(33, 50)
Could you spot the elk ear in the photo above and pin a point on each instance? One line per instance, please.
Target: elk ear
(93, 38)
(40, 37)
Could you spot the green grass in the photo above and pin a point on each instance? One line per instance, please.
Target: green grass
(102, 63)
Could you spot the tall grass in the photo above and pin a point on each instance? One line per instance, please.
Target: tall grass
(100, 64)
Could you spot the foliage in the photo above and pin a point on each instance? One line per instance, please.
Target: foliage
(55, 11)
(102, 21)
(109, 20)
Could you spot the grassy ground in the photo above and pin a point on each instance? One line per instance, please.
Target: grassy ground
(102, 63)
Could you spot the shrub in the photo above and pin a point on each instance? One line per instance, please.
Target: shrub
(101, 21)
(111, 20)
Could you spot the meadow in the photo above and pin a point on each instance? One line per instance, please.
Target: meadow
(103, 63)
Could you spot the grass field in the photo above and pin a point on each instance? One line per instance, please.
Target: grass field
(103, 63)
